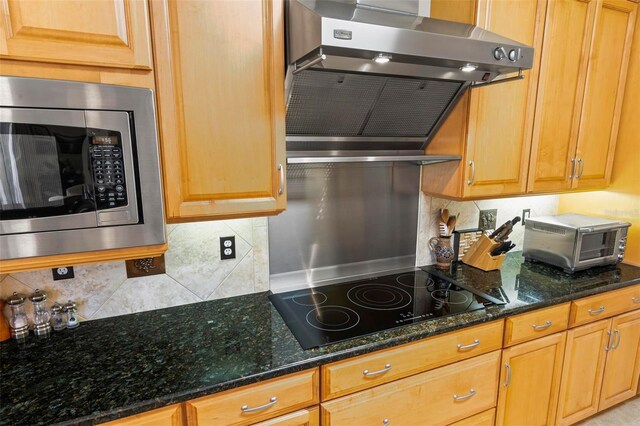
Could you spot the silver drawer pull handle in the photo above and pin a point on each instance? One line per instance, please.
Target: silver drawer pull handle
(462, 347)
(281, 170)
(368, 373)
(635, 299)
(596, 311)
(386, 422)
(471, 393)
(473, 173)
(609, 343)
(543, 326)
(246, 409)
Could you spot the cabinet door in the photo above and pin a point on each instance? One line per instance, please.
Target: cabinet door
(221, 106)
(606, 76)
(567, 39)
(582, 372)
(110, 33)
(622, 370)
(501, 116)
(530, 381)
(308, 417)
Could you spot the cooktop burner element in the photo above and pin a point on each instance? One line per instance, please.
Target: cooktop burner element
(380, 297)
(337, 312)
(308, 298)
(332, 318)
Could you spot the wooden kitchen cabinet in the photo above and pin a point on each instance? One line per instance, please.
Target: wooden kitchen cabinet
(166, 416)
(491, 127)
(580, 93)
(308, 417)
(530, 381)
(622, 369)
(258, 402)
(601, 367)
(437, 397)
(107, 33)
(221, 109)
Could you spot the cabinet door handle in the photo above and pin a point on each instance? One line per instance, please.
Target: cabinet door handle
(246, 409)
(462, 347)
(573, 168)
(368, 373)
(609, 343)
(635, 299)
(471, 393)
(473, 173)
(596, 311)
(581, 162)
(507, 367)
(386, 422)
(281, 170)
(543, 326)
(616, 332)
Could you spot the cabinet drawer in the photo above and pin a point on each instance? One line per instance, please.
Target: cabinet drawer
(254, 403)
(309, 417)
(348, 376)
(529, 326)
(166, 416)
(438, 397)
(604, 305)
(486, 418)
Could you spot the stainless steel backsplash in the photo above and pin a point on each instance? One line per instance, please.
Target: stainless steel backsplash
(344, 221)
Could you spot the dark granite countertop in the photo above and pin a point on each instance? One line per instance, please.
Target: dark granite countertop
(116, 367)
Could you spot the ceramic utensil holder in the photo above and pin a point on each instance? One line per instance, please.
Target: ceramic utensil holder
(479, 255)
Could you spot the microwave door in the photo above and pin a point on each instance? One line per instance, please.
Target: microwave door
(44, 171)
(596, 246)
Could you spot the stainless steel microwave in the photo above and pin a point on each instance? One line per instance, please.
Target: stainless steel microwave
(79, 168)
(574, 242)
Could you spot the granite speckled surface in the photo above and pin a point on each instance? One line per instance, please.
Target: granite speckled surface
(120, 366)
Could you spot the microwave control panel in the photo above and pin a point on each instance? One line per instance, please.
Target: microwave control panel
(108, 171)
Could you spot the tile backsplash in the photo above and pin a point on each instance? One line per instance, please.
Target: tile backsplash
(469, 211)
(194, 271)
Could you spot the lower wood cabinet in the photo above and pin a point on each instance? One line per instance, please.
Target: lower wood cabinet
(258, 402)
(437, 397)
(530, 381)
(601, 367)
(166, 416)
(486, 418)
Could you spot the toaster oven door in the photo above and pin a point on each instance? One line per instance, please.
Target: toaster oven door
(597, 246)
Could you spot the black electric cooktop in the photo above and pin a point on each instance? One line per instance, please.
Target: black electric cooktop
(322, 315)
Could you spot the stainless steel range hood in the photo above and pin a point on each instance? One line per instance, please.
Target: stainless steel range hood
(369, 83)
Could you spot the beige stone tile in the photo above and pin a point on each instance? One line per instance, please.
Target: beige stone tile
(261, 258)
(260, 221)
(92, 286)
(145, 294)
(425, 232)
(240, 280)
(193, 258)
(3, 276)
(243, 228)
(467, 210)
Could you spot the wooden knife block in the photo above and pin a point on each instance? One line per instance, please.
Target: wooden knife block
(479, 255)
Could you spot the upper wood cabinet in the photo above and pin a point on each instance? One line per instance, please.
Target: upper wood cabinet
(220, 85)
(580, 93)
(109, 33)
(491, 127)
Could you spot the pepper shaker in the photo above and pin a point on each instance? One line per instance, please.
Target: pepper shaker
(72, 314)
(58, 320)
(41, 325)
(18, 322)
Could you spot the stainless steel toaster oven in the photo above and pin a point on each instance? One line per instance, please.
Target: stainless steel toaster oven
(575, 242)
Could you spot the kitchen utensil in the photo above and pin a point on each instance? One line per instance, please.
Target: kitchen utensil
(451, 224)
(72, 314)
(442, 250)
(58, 317)
(502, 235)
(19, 322)
(444, 215)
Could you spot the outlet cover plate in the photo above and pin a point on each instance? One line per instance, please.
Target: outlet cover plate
(227, 248)
(488, 219)
(63, 273)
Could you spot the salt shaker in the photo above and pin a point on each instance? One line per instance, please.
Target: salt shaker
(18, 322)
(72, 314)
(58, 320)
(41, 325)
